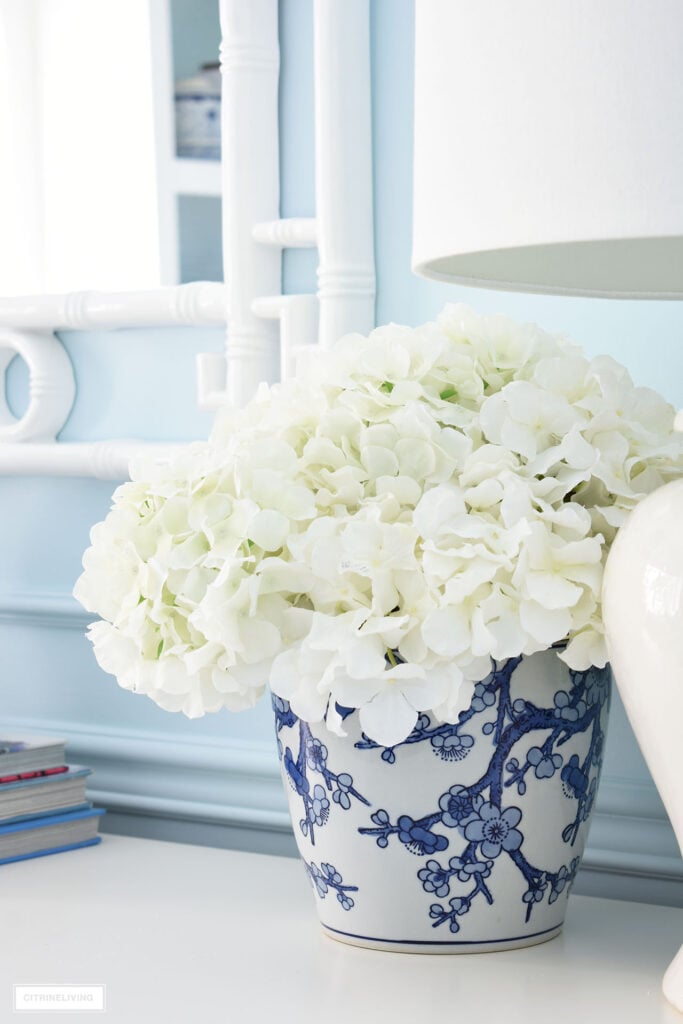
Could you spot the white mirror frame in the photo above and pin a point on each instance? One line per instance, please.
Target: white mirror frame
(250, 304)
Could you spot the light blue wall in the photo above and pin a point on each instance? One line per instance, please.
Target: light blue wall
(195, 29)
(214, 780)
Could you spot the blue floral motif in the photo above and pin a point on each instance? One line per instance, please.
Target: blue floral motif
(457, 906)
(284, 716)
(484, 697)
(319, 807)
(495, 830)
(437, 879)
(311, 758)
(453, 746)
(478, 813)
(326, 878)
(543, 760)
(447, 741)
(574, 778)
(316, 755)
(417, 838)
(564, 878)
(536, 890)
(459, 807)
(567, 708)
(341, 795)
(544, 765)
(597, 686)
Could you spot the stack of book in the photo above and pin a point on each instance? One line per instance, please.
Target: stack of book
(43, 806)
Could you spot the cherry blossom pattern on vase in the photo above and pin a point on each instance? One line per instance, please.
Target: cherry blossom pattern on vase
(325, 879)
(311, 760)
(488, 826)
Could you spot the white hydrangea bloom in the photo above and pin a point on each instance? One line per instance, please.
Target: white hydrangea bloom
(372, 534)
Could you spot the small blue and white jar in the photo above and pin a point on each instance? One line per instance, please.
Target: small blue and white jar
(198, 115)
(462, 838)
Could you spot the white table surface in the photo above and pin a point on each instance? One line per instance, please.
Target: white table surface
(197, 935)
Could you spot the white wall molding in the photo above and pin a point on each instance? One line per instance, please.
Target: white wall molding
(58, 611)
(173, 777)
(179, 787)
(237, 784)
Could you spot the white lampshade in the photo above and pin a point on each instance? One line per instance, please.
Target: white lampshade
(549, 145)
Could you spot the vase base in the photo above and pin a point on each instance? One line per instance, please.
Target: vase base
(430, 947)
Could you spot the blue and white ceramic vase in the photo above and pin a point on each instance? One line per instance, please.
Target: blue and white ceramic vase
(463, 837)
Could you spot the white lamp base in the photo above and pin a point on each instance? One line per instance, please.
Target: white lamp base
(643, 615)
(672, 986)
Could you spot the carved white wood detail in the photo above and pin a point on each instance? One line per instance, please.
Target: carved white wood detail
(267, 333)
(298, 318)
(290, 233)
(250, 64)
(51, 386)
(343, 168)
(199, 303)
(51, 379)
(103, 460)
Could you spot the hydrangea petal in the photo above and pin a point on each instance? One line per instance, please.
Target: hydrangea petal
(388, 718)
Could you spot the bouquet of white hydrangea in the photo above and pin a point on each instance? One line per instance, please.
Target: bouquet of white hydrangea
(373, 533)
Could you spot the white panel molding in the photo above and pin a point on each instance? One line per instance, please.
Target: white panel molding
(632, 848)
(173, 777)
(233, 783)
(56, 611)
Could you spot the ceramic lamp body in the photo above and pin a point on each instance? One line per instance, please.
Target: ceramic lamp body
(643, 614)
(464, 837)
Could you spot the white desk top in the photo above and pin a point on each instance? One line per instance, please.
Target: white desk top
(190, 934)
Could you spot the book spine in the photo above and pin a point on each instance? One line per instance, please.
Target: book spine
(20, 776)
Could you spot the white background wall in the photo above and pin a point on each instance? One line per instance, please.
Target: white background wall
(215, 780)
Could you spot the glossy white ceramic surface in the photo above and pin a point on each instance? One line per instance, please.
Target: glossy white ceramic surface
(643, 613)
